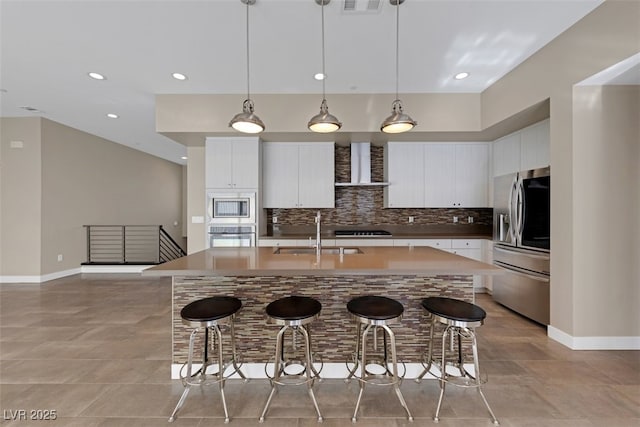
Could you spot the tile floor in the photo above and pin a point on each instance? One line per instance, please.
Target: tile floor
(96, 349)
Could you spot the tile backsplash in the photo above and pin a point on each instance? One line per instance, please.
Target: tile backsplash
(364, 205)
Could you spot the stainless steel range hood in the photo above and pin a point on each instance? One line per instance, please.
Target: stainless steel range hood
(360, 166)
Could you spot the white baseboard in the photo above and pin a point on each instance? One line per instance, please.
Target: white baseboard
(114, 268)
(71, 272)
(39, 279)
(329, 370)
(593, 343)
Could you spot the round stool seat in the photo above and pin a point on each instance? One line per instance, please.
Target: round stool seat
(375, 308)
(454, 312)
(209, 310)
(294, 310)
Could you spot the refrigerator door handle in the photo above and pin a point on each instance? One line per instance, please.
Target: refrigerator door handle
(521, 202)
(513, 220)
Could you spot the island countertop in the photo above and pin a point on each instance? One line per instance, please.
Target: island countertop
(262, 261)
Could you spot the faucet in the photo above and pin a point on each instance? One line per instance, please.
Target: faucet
(318, 245)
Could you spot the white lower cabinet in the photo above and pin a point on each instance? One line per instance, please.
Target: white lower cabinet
(434, 243)
(469, 248)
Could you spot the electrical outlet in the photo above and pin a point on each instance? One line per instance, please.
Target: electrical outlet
(60, 257)
(455, 219)
(470, 220)
(275, 219)
(411, 219)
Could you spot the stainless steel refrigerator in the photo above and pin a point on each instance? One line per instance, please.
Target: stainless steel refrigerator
(522, 242)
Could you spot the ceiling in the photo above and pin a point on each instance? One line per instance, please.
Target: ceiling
(48, 47)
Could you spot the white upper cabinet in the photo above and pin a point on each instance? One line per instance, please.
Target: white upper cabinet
(436, 175)
(534, 146)
(298, 175)
(232, 163)
(525, 149)
(472, 175)
(506, 154)
(404, 170)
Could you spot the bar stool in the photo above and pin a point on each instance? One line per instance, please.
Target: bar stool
(295, 313)
(209, 313)
(460, 319)
(376, 312)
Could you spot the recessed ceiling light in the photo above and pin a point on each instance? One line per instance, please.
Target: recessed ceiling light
(184, 157)
(461, 76)
(319, 76)
(97, 76)
(179, 76)
(112, 116)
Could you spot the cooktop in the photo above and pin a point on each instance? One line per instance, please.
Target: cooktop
(361, 233)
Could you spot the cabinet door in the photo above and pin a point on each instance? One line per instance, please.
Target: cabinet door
(506, 154)
(472, 175)
(316, 176)
(405, 173)
(245, 163)
(280, 175)
(218, 164)
(534, 148)
(439, 175)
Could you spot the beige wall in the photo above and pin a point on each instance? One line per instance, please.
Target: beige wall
(606, 36)
(607, 197)
(83, 179)
(20, 197)
(196, 199)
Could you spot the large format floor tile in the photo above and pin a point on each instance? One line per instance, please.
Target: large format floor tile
(97, 350)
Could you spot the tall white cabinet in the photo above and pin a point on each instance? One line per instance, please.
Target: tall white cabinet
(232, 163)
(436, 175)
(298, 175)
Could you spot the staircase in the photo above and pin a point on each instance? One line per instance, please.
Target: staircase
(130, 245)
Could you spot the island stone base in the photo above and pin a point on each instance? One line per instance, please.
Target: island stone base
(333, 333)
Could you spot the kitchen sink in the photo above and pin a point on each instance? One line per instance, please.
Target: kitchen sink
(312, 251)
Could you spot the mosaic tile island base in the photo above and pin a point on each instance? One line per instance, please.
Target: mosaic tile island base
(258, 276)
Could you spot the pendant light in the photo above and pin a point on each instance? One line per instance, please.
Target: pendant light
(398, 121)
(323, 122)
(247, 121)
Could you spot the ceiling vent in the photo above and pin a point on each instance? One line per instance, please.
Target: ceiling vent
(361, 6)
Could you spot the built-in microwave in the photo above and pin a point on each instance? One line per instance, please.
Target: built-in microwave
(231, 208)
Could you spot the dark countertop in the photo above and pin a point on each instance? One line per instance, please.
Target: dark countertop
(436, 231)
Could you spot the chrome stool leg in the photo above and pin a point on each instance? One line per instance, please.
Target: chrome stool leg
(394, 362)
(443, 373)
(363, 371)
(476, 366)
(309, 369)
(276, 370)
(187, 385)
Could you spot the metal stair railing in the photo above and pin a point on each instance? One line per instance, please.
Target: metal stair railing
(130, 244)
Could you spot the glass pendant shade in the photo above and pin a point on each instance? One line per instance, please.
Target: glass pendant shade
(324, 122)
(247, 121)
(398, 121)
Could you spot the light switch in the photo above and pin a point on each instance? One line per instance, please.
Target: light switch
(17, 144)
(197, 220)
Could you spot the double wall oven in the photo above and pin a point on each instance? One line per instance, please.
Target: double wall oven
(231, 219)
(522, 242)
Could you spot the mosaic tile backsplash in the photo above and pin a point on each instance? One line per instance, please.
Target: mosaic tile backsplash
(364, 205)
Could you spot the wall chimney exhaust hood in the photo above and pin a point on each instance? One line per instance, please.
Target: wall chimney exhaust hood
(360, 166)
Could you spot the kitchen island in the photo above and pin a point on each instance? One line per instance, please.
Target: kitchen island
(260, 275)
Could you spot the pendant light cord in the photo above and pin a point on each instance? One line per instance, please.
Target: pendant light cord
(397, 43)
(324, 76)
(248, 91)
